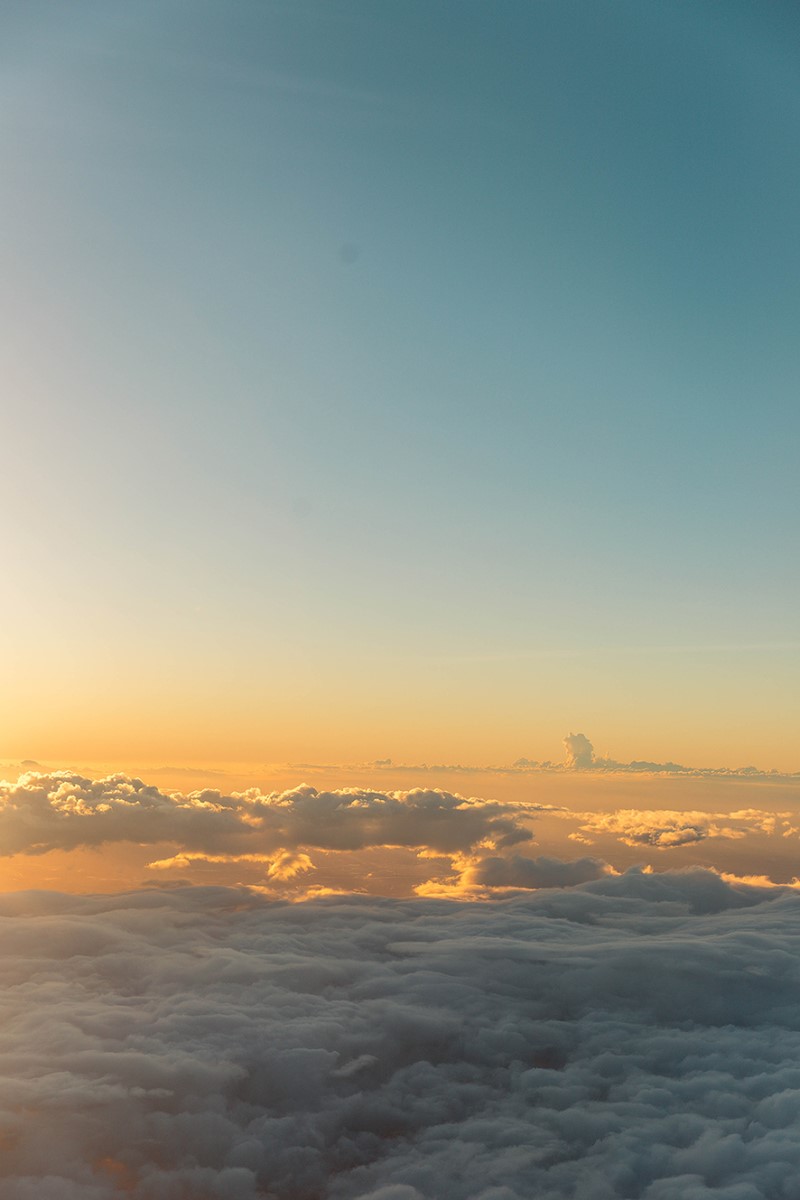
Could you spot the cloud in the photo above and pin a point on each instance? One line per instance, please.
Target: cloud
(664, 828)
(633, 1038)
(64, 810)
(762, 881)
(610, 766)
(479, 878)
(579, 755)
(517, 871)
(287, 865)
(579, 752)
(283, 866)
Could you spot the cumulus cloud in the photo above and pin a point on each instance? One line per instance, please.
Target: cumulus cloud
(665, 828)
(64, 810)
(479, 878)
(517, 871)
(578, 751)
(634, 1038)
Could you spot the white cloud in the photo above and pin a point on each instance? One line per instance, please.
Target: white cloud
(578, 752)
(665, 828)
(64, 810)
(633, 1038)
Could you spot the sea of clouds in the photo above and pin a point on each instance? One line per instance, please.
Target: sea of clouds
(634, 1036)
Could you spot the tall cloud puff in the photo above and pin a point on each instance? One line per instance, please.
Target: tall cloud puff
(578, 751)
(64, 810)
(635, 1037)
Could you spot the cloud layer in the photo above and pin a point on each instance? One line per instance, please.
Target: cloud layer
(579, 755)
(430, 841)
(635, 1037)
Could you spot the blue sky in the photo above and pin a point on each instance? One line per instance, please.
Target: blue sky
(428, 365)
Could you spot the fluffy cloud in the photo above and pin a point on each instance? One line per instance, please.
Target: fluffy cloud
(517, 871)
(664, 828)
(578, 751)
(475, 877)
(635, 1037)
(64, 810)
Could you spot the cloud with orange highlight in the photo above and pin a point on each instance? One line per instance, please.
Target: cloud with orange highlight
(62, 811)
(665, 829)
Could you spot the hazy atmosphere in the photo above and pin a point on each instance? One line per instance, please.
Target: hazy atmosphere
(399, 770)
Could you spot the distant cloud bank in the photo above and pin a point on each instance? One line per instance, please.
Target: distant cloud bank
(632, 1038)
(579, 755)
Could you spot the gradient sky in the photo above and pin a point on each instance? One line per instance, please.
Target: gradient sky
(413, 380)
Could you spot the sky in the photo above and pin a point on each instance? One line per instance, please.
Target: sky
(399, 774)
(412, 381)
